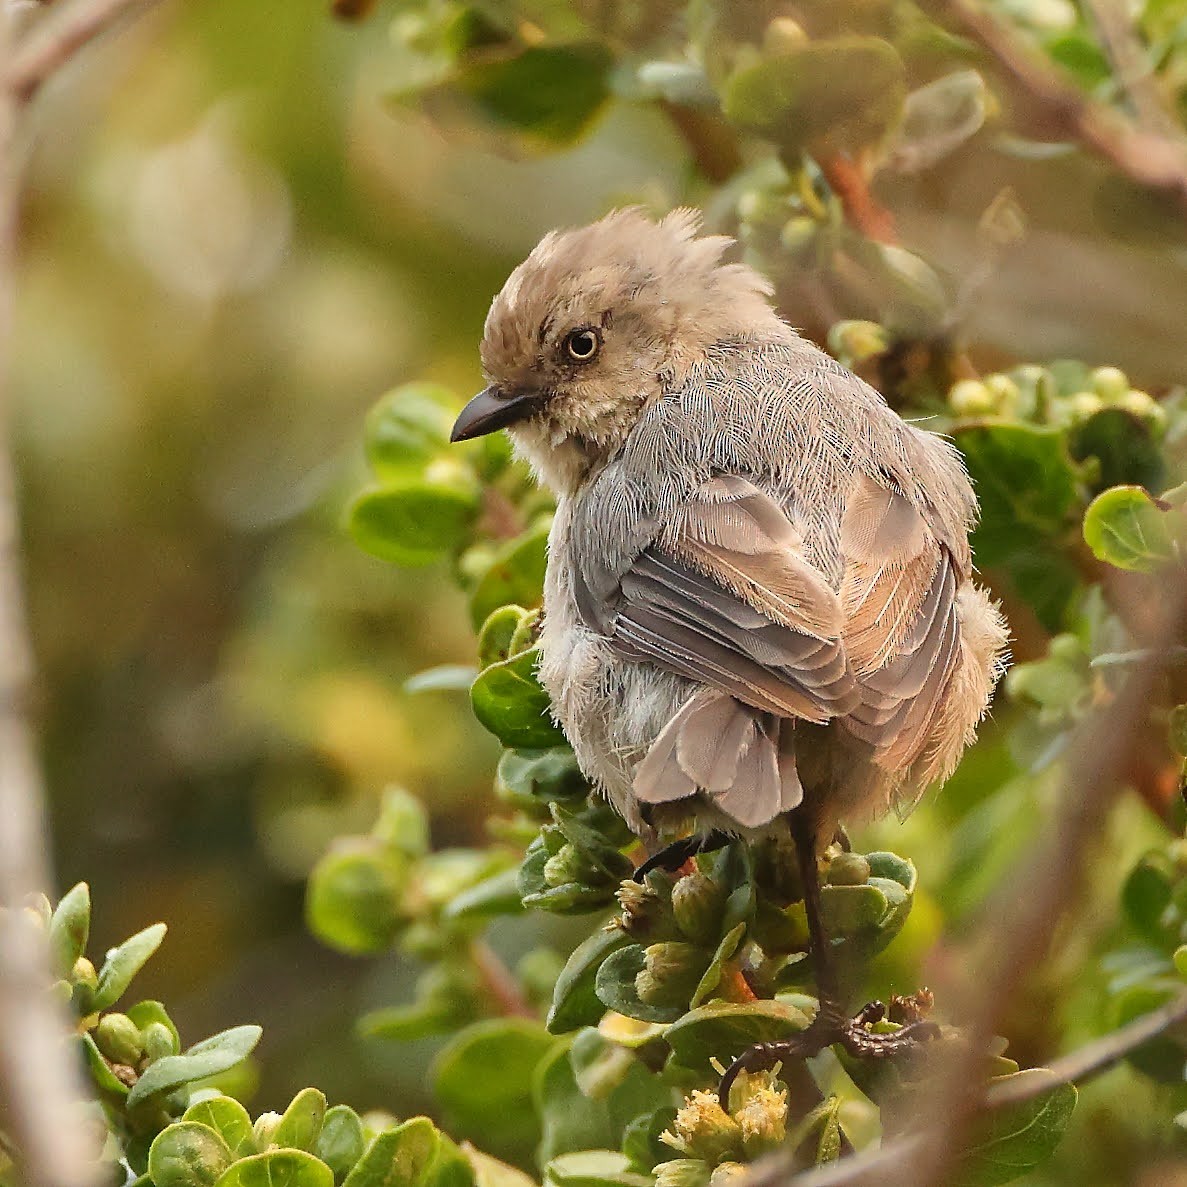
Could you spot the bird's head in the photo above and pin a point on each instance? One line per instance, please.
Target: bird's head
(595, 325)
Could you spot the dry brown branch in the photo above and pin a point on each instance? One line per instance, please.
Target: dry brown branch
(40, 1083)
(1153, 159)
(1131, 67)
(899, 1157)
(41, 1086)
(54, 44)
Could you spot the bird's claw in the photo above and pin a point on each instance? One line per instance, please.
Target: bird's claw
(671, 857)
(825, 1030)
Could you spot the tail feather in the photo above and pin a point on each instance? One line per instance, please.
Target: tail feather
(741, 759)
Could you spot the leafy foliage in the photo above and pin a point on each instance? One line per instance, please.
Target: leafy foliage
(591, 1061)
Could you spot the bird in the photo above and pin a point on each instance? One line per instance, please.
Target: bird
(760, 613)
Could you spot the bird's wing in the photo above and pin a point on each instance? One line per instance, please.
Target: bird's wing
(724, 596)
(901, 624)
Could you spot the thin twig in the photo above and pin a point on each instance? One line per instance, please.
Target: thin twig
(1131, 66)
(499, 982)
(900, 1157)
(52, 45)
(848, 180)
(1091, 1059)
(41, 1084)
(1152, 159)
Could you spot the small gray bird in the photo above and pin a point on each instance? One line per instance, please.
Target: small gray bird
(759, 602)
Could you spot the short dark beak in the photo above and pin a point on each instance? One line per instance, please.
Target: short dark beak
(493, 409)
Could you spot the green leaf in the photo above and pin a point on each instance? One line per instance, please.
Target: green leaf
(355, 894)
(493, 1108)
(712, 975)
(207, 1058)
(541, 775)
(496, 895)
(616, 988)
(840, 93)
(514, 577)
(69, 927)
(229, 1119)
(509, 701)
(594, 1168)
(723, 1030)
(403, 823)
(589, 1091)
(1124, 449)
(1126, 528)
(401, 1157)
(413, 523)
(302, 1121)
(278, 1168)
(442, 678)
(575, 1001)
(494, 639)
(1025, 482)
(123, 963)
(1013, 1140)
(938, 118)
(641, 1142)
(102, 1075)
(550, 93)
(490, 1172)
(341, 1142)
(147, 1012)
(188, 1154)
(408, 428)
(1147, 893)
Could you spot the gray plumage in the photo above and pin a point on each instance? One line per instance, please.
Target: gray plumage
(759, 594)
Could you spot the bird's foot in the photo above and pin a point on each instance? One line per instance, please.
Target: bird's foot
(853, 1034)
(862, 1043)
(671, 857)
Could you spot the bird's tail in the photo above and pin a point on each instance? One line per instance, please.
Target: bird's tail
(740, 759)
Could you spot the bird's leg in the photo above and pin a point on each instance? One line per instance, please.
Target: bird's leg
(830, 1024)
(671, 857)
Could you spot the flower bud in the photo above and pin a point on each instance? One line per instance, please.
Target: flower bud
(848, 869)
(1110, 383)
(1081, 405)
(703, 1129)
(763, 1120)
(119, 1038)
(782, 36)
(970, 397)
(158, 1041)
(855, 341)
(265, 1129)
(1144, 407)
(798, 233)
(83, 973)
(698, 905)
(758, 208)
(566, 866)
(1006, 392)
(682, 1172)
(670, 973)
(635, 899)
(728, 1172)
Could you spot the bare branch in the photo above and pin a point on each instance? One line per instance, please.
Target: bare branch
(54, 44)
(898, 1158)
(41, 1085)
(1153, 159)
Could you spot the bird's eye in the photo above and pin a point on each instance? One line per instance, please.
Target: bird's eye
(582, 345)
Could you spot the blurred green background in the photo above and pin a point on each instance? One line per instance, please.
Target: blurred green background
(233, 243)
